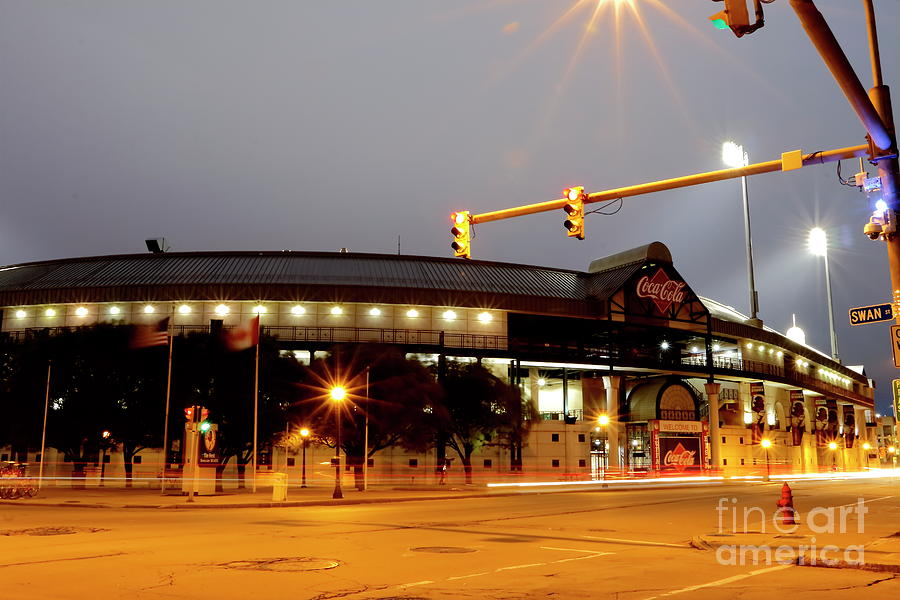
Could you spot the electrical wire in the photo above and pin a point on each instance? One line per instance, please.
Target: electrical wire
(599, 210)
(847, 182)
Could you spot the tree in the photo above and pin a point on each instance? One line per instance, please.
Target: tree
(398, 401)
(478, 408)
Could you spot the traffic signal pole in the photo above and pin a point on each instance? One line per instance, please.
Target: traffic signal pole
(874, 110)
(787, 162)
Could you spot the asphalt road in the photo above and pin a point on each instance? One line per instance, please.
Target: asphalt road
(631, 545)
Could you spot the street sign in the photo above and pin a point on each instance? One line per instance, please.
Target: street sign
(895, 344)
(862, 315)
(895, 386)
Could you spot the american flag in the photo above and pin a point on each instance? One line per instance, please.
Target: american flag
(145, 336)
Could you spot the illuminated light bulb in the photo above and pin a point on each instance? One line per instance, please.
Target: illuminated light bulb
(749, 345)
(881, 206)
(50, 312)
(149, 310)
(541, 382)
(485, 317)
(21, 314)
(298, 310)
(81, 311)
(449, 315)
(716, 347)
(375, 311)
(114, 310)
(222, 310)
(259, 309)
(184, 309)
(412, 313)
(664, 345)
(337, 310)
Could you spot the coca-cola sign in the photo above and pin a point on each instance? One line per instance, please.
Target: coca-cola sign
(679, 454)
(661, 289)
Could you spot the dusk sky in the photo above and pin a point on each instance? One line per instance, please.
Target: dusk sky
(316, 125)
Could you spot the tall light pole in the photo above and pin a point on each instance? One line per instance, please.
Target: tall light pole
(766, 443)
(602, 425)
(337, 396)
(304, 436)
(104, 441)
(733, 155)
(818, 245)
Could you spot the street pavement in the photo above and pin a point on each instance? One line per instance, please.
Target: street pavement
(629, 544)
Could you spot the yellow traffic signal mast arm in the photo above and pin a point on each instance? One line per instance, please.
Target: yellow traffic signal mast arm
(789, 161)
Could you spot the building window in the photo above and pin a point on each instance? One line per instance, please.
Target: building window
(136, 460)
(37, 457)
(370, 462)
(724, 462)
(106, 458)
(4, 457)
(488, 463)
(554, 463)
(414, 462)
(723, 439)
(741, 440)
(742, 461)
(580, 437)
(291, 461)
(554, 437)
(582, 462)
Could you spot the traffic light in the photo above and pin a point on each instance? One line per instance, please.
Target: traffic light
(575, 209)
(461, 234)
(205, 426)
(736, 17)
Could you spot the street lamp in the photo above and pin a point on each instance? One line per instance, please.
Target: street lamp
(833, 447)
(818, 245)
(766, 443)
(105, 437)
(337, 395)
(304, 437)
(602, 424)
(733, 155)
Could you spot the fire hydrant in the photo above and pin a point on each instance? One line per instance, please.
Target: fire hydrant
(786, 505)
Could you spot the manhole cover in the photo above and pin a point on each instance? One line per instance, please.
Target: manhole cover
(443, 549)
(290, 563)
(51, 531)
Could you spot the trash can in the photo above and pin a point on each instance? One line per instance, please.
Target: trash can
(279, 487)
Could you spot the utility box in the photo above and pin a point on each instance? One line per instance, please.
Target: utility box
(279, 487)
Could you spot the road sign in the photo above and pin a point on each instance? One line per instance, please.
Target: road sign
(862, 315)
(896, 389)
(895, 344)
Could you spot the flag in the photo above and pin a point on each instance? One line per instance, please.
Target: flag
(244, 335)
(145, 336)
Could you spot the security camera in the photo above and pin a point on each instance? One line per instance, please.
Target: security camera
(873, 230)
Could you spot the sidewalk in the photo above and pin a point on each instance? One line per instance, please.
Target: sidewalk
(142, 497)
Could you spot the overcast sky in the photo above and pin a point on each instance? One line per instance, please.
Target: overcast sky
(315, 125)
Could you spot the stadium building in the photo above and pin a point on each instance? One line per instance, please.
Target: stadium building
(622, 361)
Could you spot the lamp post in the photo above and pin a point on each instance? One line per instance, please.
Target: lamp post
(833, 447)
(818, 245)
(766, 443)
(304, 436)
(602, 424)
(733, 155)
(337, 396)
(103, 442)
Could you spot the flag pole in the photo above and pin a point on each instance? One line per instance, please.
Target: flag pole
(44, 430)
(255, 405)
(165, 449)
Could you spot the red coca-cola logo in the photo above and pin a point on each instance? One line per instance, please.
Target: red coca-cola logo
(662, 290)
(679, 458)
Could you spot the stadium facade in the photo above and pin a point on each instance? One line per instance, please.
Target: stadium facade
(627, 340)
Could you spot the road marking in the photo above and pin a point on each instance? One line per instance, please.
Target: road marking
(570, 549)
(638, 542)
(583, 557)
(519, 567)
(719, 582)
(766, 519)
(467, 576)
(409, 585)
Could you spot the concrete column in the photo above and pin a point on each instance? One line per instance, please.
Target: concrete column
(613, 430)
(715, 438)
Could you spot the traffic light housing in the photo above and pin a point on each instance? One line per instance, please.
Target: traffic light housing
(575, 210)
(461, 232)
(736, 17)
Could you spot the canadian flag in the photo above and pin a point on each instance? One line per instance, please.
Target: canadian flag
(243, 336)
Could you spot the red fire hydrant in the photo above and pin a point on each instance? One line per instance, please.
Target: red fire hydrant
(786, 505)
